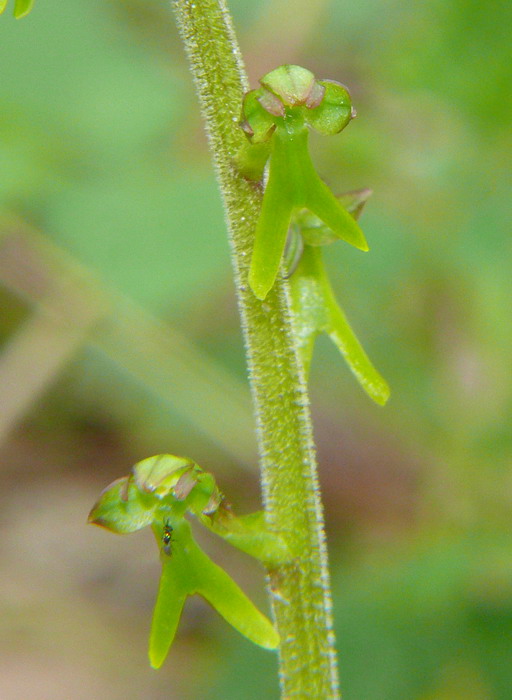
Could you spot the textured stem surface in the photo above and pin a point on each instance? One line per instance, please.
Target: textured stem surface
(299, 591)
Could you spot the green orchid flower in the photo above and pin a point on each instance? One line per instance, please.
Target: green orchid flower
(160, 491)
(276, 118)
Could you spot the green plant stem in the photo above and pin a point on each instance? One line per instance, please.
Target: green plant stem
(299, 591)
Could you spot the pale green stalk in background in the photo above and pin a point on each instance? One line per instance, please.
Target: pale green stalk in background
(300, 594)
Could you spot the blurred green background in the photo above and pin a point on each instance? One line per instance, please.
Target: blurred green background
(119, 339)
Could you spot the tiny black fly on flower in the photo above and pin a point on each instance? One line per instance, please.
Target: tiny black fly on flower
(167, 538)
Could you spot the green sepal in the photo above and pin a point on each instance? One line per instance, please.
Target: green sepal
(250, 534)
(189, 571)
(122, 508)
(159, 475)
(316, 310)
(293, 85)
(334, 111)
(257, 122)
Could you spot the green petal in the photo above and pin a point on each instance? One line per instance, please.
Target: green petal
(271, 103)
(205, 496)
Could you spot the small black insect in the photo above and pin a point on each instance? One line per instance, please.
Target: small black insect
(167, 538)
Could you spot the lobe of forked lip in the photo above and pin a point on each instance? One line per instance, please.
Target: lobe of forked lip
(359, 241)
(261, 284)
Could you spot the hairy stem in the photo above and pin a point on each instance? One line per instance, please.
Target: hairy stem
(300, 592)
